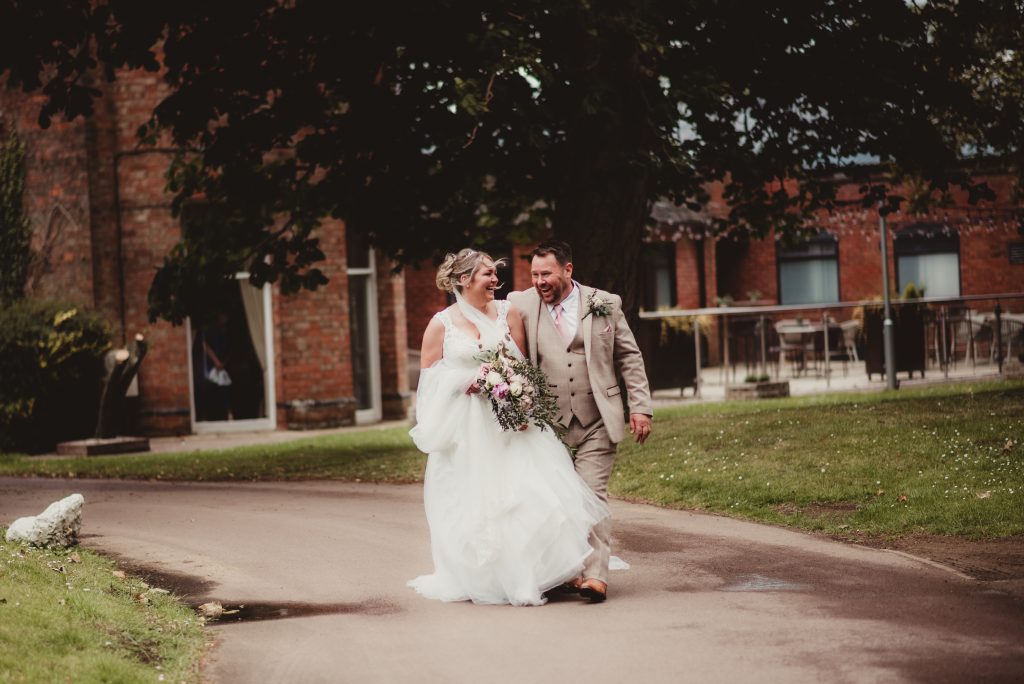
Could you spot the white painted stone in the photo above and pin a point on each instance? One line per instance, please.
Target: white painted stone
(58, 525)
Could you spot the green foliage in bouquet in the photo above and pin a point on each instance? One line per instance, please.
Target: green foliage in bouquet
(518, 391)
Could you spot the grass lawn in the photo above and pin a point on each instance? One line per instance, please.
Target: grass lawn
(65, 616)
(942, 460)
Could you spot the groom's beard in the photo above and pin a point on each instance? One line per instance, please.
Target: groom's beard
(556, 293)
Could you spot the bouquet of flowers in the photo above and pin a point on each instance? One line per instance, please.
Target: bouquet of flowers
(518, 390)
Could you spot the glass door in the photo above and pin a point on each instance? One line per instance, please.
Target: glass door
(231, 361)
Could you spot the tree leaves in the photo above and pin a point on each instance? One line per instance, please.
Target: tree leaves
(428, 127)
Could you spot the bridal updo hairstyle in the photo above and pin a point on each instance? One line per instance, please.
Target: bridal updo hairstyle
(466, 262)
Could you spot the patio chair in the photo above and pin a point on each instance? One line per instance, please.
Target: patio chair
(1011, 332)
(794, 343)
(837, 347)
(851, 329)
(964, 330)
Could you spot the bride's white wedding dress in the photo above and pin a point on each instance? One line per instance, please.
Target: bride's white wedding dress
(509, 517)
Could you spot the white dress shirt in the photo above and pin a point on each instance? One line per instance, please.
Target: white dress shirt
(570, 310)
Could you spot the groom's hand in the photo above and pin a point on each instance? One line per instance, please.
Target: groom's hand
(639, 427)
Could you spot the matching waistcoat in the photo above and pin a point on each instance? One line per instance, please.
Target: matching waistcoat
(566, 368)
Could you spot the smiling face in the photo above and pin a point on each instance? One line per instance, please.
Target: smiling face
(552, 280)
(482, 283)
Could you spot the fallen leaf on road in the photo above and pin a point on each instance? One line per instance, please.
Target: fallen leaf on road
(213, 609)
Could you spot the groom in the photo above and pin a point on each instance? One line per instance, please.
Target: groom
(581, 340)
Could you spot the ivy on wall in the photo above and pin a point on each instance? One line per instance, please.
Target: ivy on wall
(15, 231)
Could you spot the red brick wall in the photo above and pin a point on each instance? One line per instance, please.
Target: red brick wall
(422, 301)
(110, 189)
(148, 231)
(314, 354)
(754, 269)
(56, 198)
(521, 267)
(101, 139)
(687, 286)
(986, 233)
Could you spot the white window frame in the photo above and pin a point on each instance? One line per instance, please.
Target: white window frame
(374, 413)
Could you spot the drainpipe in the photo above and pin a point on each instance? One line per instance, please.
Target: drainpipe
(120, 250)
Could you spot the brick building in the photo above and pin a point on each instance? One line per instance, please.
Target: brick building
(954, 251)
(102, 224)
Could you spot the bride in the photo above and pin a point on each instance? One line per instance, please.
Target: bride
(509, 517)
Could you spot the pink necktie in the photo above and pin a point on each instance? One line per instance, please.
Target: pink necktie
(560, 326)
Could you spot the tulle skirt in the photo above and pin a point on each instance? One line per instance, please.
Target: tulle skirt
(509, 517)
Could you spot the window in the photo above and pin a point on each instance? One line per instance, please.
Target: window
(658, 275)
(809, 271)
(363, 327)
(928, 255)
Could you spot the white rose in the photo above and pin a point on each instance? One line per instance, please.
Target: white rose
(493, 378)
(519, 379)
(515, 389)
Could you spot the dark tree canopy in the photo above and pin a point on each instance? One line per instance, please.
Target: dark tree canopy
(427, 126)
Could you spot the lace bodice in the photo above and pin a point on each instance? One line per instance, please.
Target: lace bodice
(459, 347)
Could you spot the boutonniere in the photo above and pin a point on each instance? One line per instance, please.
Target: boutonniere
(597, 306)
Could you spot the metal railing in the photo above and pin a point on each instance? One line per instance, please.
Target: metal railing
(944, 314)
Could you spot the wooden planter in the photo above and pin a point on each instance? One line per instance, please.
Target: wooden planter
(908, 335)
(670, 362)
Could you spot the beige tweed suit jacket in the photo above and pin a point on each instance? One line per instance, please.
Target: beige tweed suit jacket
(611, 352)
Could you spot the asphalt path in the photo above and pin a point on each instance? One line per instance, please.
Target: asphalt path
(321, 569)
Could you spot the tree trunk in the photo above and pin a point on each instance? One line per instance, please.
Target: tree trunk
(602, 217)
(602, 172)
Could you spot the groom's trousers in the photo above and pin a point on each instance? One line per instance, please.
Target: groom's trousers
(594, 458)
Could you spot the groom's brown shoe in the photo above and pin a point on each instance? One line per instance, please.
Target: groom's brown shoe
(594, 590)
(566, 588)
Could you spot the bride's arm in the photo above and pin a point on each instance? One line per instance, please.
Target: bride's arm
(433, 344)
(517, 328)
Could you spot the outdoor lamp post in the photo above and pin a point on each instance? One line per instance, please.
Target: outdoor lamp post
(887, 340)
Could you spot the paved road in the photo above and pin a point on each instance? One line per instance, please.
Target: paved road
(708, 599)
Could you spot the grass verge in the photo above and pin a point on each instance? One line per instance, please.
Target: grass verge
(946, 459)
(940, 460)
(65, 616)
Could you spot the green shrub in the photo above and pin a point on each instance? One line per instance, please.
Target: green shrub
(50, 373)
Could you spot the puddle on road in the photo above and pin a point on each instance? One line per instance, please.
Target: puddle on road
(178, 583)
(282, 610)
(762, 583)
(197, 591)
